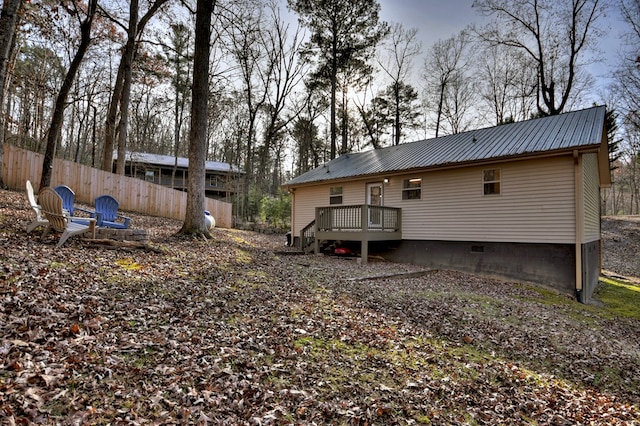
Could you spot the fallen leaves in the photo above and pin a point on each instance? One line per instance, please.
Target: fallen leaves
(228, 332)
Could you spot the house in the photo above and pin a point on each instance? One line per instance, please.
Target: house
(518, 201)
(222, 180)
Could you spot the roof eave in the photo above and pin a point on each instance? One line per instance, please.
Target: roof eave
(448, 166)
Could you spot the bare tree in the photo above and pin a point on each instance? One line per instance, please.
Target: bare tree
(400, 48)
(179, 56)
(287, 71)
(8, 26)
(627, 76)
(461, 96)
(243, 26)
(308, 146)
(121, 91)
(625, 189)
(443, 63)
(555, 35)
(508, 83)
(194, 223)
(86, 20)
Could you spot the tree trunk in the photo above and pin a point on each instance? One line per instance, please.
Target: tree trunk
(345, 124)
(334, 87)
(8, 24)
(396, 94)
(110, 124)
(440, 104)
(127, 61)
(194, 218)
(58, 113)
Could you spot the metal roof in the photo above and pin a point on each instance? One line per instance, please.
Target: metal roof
(168, 160)
(566, 131)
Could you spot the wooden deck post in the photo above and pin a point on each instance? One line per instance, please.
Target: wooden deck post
(364, 243)
(316, 240)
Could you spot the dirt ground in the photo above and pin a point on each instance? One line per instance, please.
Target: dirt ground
(621, 246)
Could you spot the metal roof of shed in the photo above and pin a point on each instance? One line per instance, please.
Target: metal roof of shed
(563, 132)
(168, 160)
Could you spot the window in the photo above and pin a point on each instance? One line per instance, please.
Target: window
(214, 182)
(335, 195)
(491, 181)
(149, 176)
(412, 189)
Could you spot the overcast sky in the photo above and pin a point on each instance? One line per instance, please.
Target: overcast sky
(441, 19)
(435, 19)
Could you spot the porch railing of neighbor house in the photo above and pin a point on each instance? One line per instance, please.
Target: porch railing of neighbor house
(362, 223)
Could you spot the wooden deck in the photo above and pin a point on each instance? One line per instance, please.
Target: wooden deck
(362, 223)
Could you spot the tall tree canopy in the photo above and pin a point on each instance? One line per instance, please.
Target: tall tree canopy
(443, 72)
(555, 34)
(344, 34)
(401, 47)
(85, 17)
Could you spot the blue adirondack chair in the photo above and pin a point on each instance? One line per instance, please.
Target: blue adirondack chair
(68, 200)
(107, 213)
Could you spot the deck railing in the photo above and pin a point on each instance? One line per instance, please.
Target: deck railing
(362, 223)
(358, 218)
(307, 237)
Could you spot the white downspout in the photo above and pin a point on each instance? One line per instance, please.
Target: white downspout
(579, 217)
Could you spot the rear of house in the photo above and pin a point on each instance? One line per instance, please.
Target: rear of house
(519, 201)
(222, 180)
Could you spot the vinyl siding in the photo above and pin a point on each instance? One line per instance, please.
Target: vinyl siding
(536, 203)
(305, 201)
(308, 198)
(591, 197)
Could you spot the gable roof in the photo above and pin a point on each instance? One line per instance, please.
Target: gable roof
(557, 133)
(168, 160)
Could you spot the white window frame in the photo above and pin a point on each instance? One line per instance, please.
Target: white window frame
(408, 189)
(335, 196)
(493, 185)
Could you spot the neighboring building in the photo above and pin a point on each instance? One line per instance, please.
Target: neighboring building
(222, 180)
(519, 201)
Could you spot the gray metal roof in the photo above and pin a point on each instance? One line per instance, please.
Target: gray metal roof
(554, 133)
(168, 160)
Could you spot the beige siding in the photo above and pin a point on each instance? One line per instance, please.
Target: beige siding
(591, 197)
(536, 203)
(305, 201)
(354, 192)
(308, 198)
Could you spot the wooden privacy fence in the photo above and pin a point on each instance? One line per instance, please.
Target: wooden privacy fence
(133, 194)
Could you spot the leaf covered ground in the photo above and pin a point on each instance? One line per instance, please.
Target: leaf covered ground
(240, 330)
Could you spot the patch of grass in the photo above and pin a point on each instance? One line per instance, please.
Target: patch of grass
(129, 264)
(243, 257)
(142, 357)
(610, 377)
(552, 298)
(620, 298)
(237, 238)
(586, 314)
